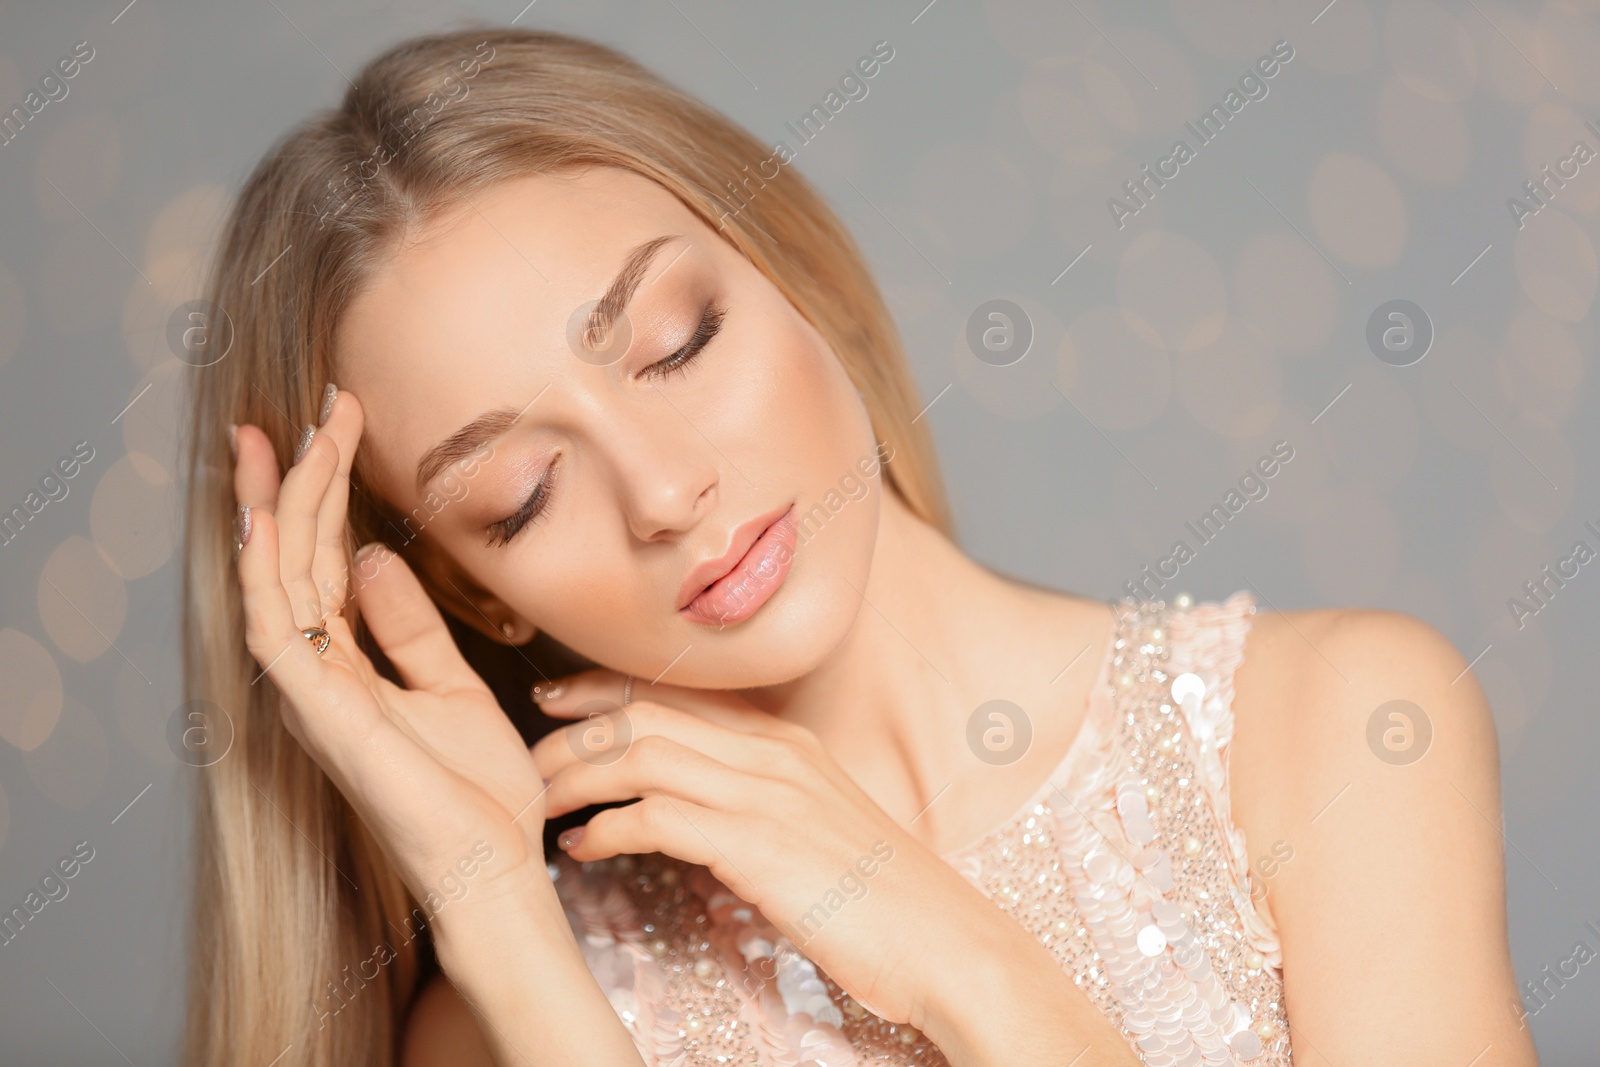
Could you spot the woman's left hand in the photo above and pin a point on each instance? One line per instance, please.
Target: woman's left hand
(759, 802)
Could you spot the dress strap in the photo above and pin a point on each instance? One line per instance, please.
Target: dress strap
(1207, 644)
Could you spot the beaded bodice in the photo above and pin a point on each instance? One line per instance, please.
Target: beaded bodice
(1126, 864)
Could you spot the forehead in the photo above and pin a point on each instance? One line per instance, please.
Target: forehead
(472, 310)
(554, 238)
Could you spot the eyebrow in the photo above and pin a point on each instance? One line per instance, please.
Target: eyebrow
(491, 424)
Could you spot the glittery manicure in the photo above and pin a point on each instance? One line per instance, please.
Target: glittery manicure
(305, 442)
(241, 530)
(569, 840)
(327, 403)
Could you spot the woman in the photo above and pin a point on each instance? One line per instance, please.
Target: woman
(834, 792)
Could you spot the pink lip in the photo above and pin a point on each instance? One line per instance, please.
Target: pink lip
(729, 589)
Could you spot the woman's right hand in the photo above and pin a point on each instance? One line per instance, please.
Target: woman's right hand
(434, 768)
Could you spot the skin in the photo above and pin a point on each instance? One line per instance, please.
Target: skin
(777, 750)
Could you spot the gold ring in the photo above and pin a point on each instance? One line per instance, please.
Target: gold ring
(318, 637)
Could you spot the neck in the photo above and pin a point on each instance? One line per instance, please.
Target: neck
(936, 636)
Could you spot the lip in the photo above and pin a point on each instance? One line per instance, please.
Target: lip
(730, 587)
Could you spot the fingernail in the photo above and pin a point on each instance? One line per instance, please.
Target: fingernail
(569, 840)
(305, 443)
(241, 530)
(550, 692)
(327, 403)
(233, 439)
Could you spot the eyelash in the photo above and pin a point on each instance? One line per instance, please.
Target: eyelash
(537, 504)
(677, 363)
(532, 509)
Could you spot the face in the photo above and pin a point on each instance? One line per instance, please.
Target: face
(696, 485)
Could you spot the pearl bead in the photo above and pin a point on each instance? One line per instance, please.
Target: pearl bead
(1192, 846)
(694, 1024)
(1254, 961)
(1062, 928)
(908, 1034)
(1152, 793)
(705, 967)
(1265, 1029)
(1125, 681)
(1183, 601)
(1155, 634)
(658, 947)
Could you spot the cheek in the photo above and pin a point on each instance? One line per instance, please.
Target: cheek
(586, 593)
(817, 419)
(814, 431)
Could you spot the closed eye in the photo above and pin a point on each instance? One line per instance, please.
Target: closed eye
(532, 508)
(710, 323)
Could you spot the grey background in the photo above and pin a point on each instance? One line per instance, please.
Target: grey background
(1227, 315)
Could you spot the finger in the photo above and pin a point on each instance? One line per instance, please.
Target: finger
(270, 631)
(407, 625)
(651, 766)
(255, 469)
(299, 499)
(330, 565)
(655, 824)
(723, 707)
(596, 740)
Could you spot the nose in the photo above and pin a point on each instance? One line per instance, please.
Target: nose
(667, 471)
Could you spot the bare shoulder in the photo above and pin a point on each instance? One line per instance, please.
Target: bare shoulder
(1329, 698)
(1365, 758)
(441, 1030)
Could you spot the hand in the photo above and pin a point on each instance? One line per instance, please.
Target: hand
(759, 802)
(433, 768)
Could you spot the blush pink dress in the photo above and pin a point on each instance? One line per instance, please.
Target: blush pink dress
(1126, 864)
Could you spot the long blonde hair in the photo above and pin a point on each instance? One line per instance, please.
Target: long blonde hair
(294, 902)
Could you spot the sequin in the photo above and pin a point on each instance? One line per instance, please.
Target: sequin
(1125, 864)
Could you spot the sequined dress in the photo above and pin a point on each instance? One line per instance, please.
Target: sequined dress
(1126, 864)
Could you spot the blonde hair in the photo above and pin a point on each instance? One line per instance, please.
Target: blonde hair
(293, 897)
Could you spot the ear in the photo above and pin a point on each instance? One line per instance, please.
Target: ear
(468, 601)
